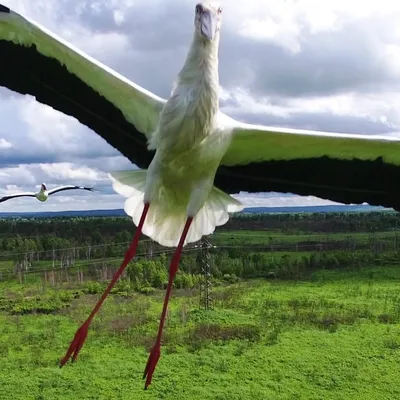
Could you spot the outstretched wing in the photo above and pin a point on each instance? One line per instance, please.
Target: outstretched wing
(346, 168)
(5, 198)
(68, 187)
(35, 61)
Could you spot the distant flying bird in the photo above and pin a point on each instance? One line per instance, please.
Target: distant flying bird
(187, 143)
(43, 194)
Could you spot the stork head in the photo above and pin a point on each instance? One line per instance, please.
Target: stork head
(43, 187)
(207, 20)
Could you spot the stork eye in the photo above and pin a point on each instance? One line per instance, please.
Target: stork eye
(219, 10)
(199, 8)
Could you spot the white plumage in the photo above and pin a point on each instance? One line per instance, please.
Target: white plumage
(189, 144)
(168, 213)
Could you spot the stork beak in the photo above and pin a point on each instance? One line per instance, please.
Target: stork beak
(208, 24)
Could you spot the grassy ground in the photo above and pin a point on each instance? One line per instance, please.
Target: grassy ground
(336, 336)
(244, 237)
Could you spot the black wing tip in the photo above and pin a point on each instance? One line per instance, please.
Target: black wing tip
(4, 9)
(90, 189)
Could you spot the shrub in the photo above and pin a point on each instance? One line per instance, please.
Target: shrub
(215, 332)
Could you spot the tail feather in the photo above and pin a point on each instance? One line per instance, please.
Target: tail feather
(127, 183)
(165, 224)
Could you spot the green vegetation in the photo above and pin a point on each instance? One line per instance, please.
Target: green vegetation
(90, 248)
(336, 336)
(297, 313)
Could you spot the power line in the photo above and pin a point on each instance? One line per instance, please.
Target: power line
(84, 263)
(71, 248)
(270, 247)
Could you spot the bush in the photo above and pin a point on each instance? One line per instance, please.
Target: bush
(121, 288)
(230, 278)
(215, 332)
(93, 288)
(146, 290)
(38, 306)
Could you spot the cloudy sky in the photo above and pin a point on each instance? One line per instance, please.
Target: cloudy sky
(331, 65)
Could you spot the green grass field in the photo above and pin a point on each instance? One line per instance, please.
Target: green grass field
(336, 336)
(245, 237)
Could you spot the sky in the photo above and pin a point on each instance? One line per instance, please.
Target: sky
(330, 65)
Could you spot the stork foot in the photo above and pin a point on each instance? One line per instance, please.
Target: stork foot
(76, 344)
(151, 364)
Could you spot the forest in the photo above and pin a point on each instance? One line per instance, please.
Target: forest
(272, 246)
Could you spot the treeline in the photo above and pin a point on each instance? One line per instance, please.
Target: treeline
(37, 239)
(146, 275)
(68, 238)
(88, 230)
(295, 265)
(317, 222)
(33, 245)
(54, 247)
(97, 230)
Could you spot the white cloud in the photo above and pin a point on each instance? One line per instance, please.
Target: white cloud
(32, 175)
(367, 107)
(285, 22)
(70, 172)
(255, 200)
(5, 144)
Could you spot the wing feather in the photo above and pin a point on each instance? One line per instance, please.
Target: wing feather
(12, 196)
(36, 61)
(346, 168)
(68, 187)
(257, 143)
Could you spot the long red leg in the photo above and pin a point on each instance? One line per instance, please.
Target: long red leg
(81, 333)
(156, 350)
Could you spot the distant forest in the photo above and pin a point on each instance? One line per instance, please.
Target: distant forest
(47, 233)
(284, 247)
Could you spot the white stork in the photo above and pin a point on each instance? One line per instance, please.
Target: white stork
(186, 144)
(43, 194)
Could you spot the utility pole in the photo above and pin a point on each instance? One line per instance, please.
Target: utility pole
(205, 283)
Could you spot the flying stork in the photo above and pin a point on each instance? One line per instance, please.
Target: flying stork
(192, 154)
(43, 194)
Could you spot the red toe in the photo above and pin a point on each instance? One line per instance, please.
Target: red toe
(151, 364)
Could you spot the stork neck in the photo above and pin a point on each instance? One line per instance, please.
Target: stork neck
(201, 62)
